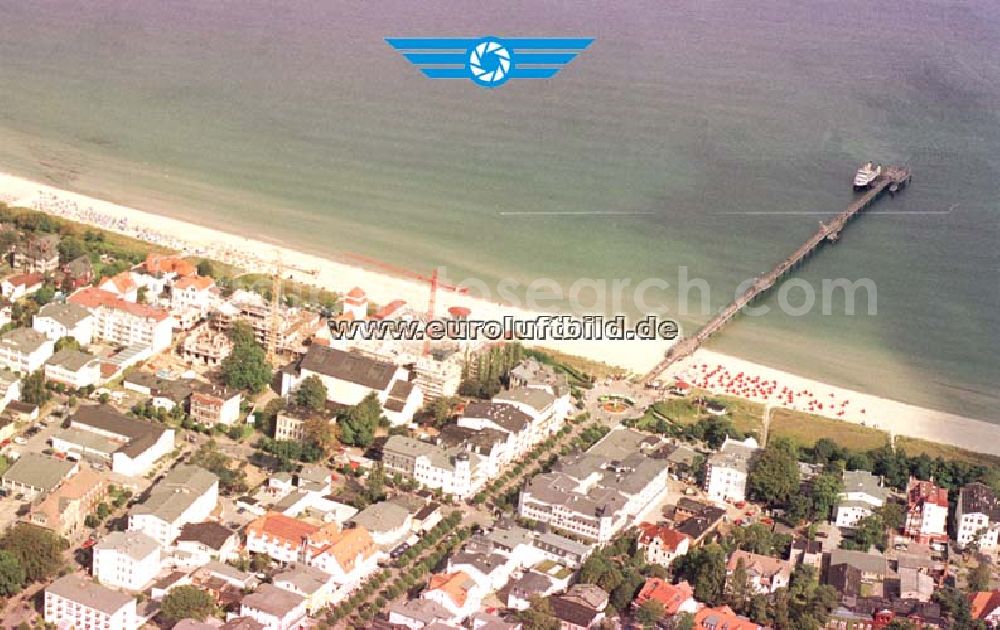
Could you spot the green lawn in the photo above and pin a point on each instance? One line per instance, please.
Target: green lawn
(805, 429)
(916, 446)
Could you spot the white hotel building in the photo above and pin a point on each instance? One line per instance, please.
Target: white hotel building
(83, 604)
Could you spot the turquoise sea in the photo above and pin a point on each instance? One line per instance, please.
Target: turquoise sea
(691, 134)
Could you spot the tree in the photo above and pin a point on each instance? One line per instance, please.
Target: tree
(684, 621)
(538, 615)
(33, 388)
(246, 367)
(231, 480)
(70, 248)
(738, 587)
(142, 295)
(67, 343)
(705, 569)
(319, 430)
(311, 393)
(826, 491)
(12, 575)
(187, 602)
(441, 409)
(38, 550)
(205, 268)
(375, 484)
(44, 295)
(775, 476)
(242, 333)
(650, 612)
(979, 577)
(357, 426)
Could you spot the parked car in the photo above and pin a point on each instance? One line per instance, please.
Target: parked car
(20, 440)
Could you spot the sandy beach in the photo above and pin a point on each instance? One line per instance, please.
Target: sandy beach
(716, 372)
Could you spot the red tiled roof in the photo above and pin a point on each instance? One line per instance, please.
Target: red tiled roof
(669, 538)
(455, 585)
(123, 282)
(722, 617)
(157, 263)
(357, 293)
(26, 279)
(389, 309)
(92, 297)
(281, 527)
(926, 492)
(983, 603)
(672, 596)
(198, 282)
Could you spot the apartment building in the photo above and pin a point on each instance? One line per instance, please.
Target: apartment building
(56, 320)
(131, 445)
(126, 560)
(35, 474)
(125, 323)
(764, 573)
(726, 477)
(64, 510)
(863, 493)
(212, 405)
(275, 608)
(76, 602)
(24, 350)
(454, 470)
(187, 494)
(73, 368)
(977, 517)
(926, 512)
(662, 544)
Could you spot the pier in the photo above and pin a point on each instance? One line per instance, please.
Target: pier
(891, 179)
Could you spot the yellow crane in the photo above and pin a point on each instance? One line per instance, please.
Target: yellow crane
(274, 325)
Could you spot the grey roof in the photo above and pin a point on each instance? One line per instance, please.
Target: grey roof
(425, 610)
(89, 593)
(481, 441)
(485, 563)
(270, 599)
(568, 546)
(140, 435)
(209, 533)
(24, 340)
(227, 572)
(531, 583)
(537, 399)
(87, 439)
(619, 443)
(68, 314)
(734, 455)
(864, 481)
(978, 498)
(39, 471)
(348, 366)
(866, 562)
(70, 359)
(134, 544)
(176, 492)
(509, 537)
(504, 415)
(383, 516)
(303, 577)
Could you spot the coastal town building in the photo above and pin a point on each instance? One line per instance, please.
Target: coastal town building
(122, 285)
(985, 606)
(168, 266)
(10, 391)
(192, 293)
(77, 273)
(675, 598)
(534, 374)
(764, 573)
(280, 537)
(862, 494)
(547, 410)
(456, 592)
(722, 618)
(198, 544)
(77, 602)
(64, 510)
(662, 544)
(388, 522)
(296, 326)
(581, 607)
(418, 613)
(727, 470)
(125, 323)
(39, 255)
(454, 470)
(213, 404)
(275, 608)
(595, 494)
(56, 320)
(131, 445)
(350, 377)
(24, 350)
(126, 560)
(187, 494)
(977, 517)
(205, 346)
(348, 556)
(73, 368)
(926, 512)
(35, 474)
(20, 285)
(313, 585)
(290, 422)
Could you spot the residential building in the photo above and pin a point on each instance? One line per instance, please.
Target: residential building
(76, 602)
(275, 608)
(20, 285)
(350, 377)
(347, 555)
(169, 266)
(131, 445)
(64, 510)
(198, 544)
(122, 285)
(73, 368)
(764, 573)
(579, 608)
(726, 477)
(547, 409)
(39, 255)
(662, 544)
(312, 584)
(291, 421)
(926, 512)
(56, 320)
(722, 618)
(125, 323)
(127, 560)
(387, 522)
(457, 592)
(454, 470)
(212, 405)
(863, 493)
(206, 346)
(187, 494)
(520, 429)
(977, 517)
(10, 389)
(195, 293)
(418, 613)
(594, 495)
(34, 474)
(530, 585)
(985, 606)
(537, 375)
(24, 350)
(675, 598)
(281, 537)
(77, 273)
(296, 326)
(436, 376)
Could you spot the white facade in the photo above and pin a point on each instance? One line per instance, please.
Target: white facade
(25, 350)
(127, 560)
(88, 374)
(82, 330)
(73, 602)
(861, 496)
(125, 323)
(274, 608)
(138, 465)
(193, 293)
(187, 494)
(726, 478)
(977, 517)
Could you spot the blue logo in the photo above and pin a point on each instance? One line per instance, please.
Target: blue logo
(489, 61)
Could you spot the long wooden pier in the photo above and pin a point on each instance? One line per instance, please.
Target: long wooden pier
(891, 179)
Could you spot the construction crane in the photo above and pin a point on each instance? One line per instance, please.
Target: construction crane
(274, 325)
(431, 303)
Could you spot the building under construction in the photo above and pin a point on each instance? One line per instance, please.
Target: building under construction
(295, 326)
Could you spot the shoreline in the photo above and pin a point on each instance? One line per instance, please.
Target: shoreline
(714, 371)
